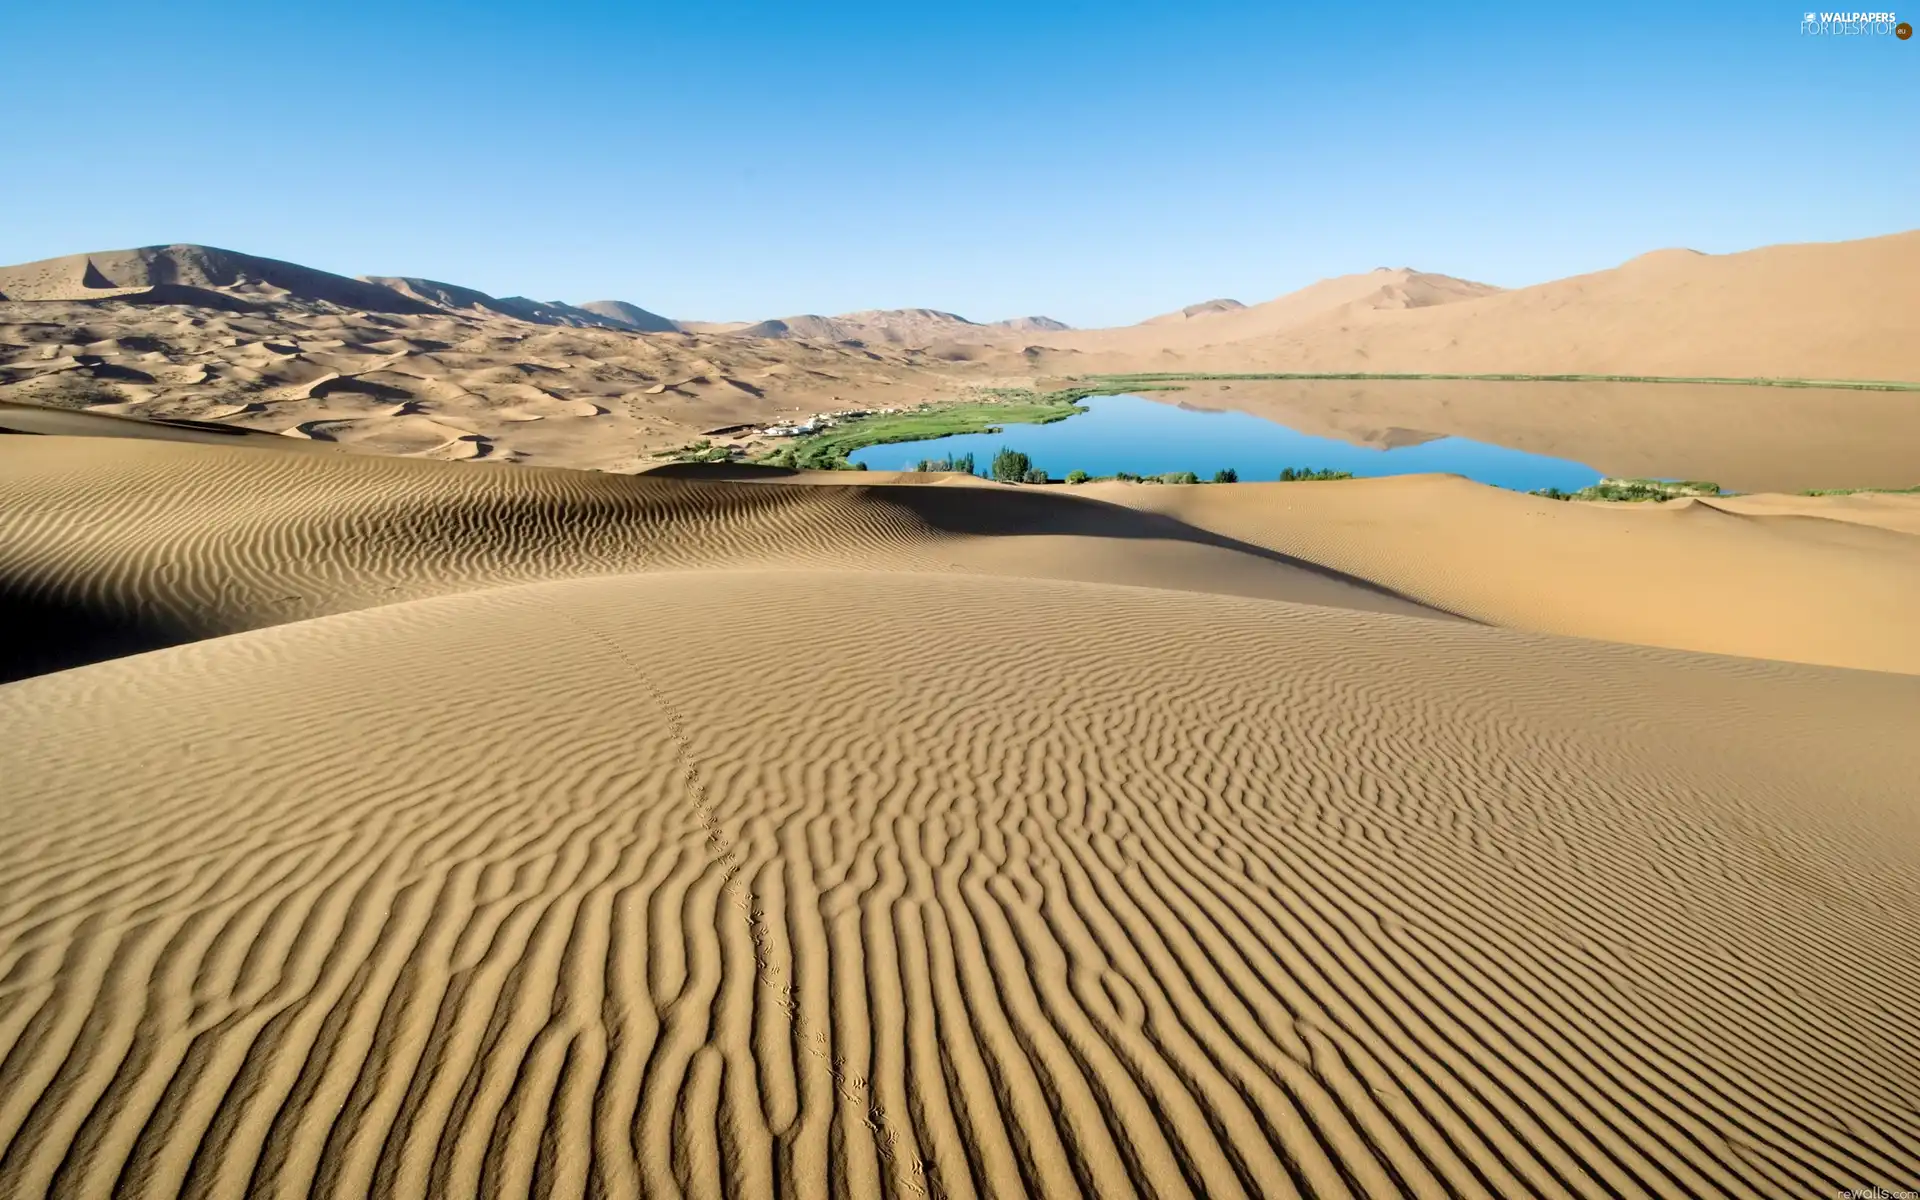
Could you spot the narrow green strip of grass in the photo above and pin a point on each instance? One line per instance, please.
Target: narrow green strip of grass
(1857, 385)
(998, 407)
(1862, 491)
(1635, 490)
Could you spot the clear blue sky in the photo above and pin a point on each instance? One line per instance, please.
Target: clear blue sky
(1096, 161)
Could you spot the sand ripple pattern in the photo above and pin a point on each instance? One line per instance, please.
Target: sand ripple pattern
(956, 886)
(111, 546)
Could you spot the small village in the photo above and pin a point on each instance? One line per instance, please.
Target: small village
(821, 421)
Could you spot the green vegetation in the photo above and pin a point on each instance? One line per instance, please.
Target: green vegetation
(1226, 475)
(962, 464)
(1077, 476)
(1134, 382)
(1010, 466)
(1635, 490)
(1862, 491)
(993, 409)
(1311, 475)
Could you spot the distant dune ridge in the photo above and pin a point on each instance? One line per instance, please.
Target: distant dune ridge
(632, 316)
(1819, 310)
(899, 326)
(610, 314)
(468, 831)
(1206, 308)
(1829, 310)
(126, 272)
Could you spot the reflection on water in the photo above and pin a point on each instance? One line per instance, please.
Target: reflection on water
(1128, 433)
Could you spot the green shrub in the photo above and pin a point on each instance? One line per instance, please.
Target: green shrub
(1035, 475)
(1077, 476)
(962, 464)
(1226, 475)
(1310, 474)
(1647, 489)
(1011, 466)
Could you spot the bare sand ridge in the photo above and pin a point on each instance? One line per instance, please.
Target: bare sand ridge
(924, 327)
(448, 383)
(110, 545)
(1224, 322)
(857, 883)
(1829, 579)
(1831, 310)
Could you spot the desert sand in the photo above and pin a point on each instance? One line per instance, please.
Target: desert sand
(375, 823)
(454, 829)
(1832, 310)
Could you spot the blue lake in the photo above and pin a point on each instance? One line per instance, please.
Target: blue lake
(1128, 433)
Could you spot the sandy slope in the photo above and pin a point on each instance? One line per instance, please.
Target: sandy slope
(111, 545)
(442, 384)
(861, 883)
(1832, 310)
(1806, 579)
(1216, 323)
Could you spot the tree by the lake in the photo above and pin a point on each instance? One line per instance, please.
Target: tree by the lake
(1011, 466)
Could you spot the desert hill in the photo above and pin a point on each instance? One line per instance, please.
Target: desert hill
(1228, 322)
(1843, 310)
(1828, 310)
(449, 830)
(436, 371)
(122, 274)
(207, 276)
(630, 316)
(610, 314)
(899, 326)
(1032, 325)
(1206, 308)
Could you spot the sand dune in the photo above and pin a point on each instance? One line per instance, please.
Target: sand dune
(1804, 579)
(1832, 310)
(1223, 322)
(116, 273)
(797, 883)
(110, 545)
(895, 326)
(607, 398)
(1206, 308)
(632, 316)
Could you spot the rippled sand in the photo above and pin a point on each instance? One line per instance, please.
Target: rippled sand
(468, 830)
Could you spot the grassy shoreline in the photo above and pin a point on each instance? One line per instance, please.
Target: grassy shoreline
(828, 449)
(1857, 385)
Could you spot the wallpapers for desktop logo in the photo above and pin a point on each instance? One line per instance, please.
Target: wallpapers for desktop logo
(1854, 24)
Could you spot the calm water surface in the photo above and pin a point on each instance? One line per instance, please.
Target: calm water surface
(1129, 433)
